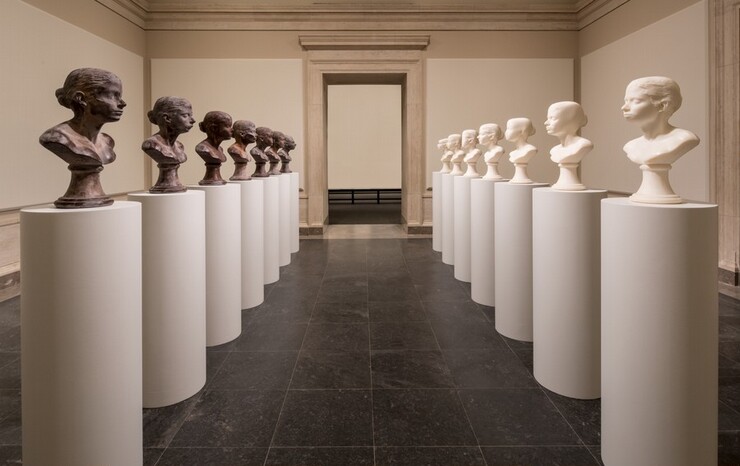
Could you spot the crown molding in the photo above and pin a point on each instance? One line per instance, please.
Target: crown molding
(363, 42)
(174, 16)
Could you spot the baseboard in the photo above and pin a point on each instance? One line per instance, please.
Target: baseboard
(418, 230)
(310, 231)
(10, 285)
(730, 277)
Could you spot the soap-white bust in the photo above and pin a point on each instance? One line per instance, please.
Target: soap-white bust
(472, 153)
(446, 155)
(518, 130)
(488, 137)
(564, 120)
(650, 102)
(454, 145)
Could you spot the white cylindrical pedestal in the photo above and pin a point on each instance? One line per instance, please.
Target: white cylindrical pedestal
(461, 228)
(513, 259)
(294, 211)
(253, 231)
(81, 335)
(272, 229)
(437, 211)
(482, 266)
(566, 252)
(284, 221)
(223, 263)
(659, 329)
(174, 295)
(448, 219)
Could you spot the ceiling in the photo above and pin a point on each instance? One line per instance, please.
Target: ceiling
(362, 15)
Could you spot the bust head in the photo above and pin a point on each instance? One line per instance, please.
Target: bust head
(468, 139)
(650, 99)
(244, 132)
(217, 126)
(289, 143)
(453, 142)
(489, 134)
(92, 94)
(565, 119)
(264, 137)
(278, 140)
(173, 115)
(442, 144)
(519, 129)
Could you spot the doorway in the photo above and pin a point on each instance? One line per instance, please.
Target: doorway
(364, 149)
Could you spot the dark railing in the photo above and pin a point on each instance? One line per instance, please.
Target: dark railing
(364, 196)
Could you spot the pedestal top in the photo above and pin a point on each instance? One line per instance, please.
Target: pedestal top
(559, 192)
(624, 202)
(50, 209)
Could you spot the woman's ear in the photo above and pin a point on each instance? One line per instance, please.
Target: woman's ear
(167, 119)
(79, 99)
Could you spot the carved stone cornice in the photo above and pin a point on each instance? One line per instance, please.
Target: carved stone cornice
(468, 15)
(363, 42)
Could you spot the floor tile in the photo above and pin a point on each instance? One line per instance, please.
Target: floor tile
(488, 368)
(584, 416)
(467, 335)
(337, 337)
(316, 456)
(10, 455)
(539, 456)
(489, 312)
(398, 311)
(729, 449)
(161, 424)
(298, 313)
(214, 360)
(402, 335)
(420, 418)
(728, 418)
(516, 416)
(340, 312)
(255, 371)
(271, 336)
(10, 313)
(325, 418)
(410, 369)
(332, 369)
(151, 456)
(442, 291)
(456, 311)
(397, 286)
(347, 294)
(213, 457)
(235, 418)
(10, 373)
(428, 456)
(10, 340)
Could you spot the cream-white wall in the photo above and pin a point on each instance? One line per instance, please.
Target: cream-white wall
(364, 136)
(38, 50)
(267, 92)
(675, 46)
(466, 93)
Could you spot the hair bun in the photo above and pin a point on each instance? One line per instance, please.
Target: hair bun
(62, 98)
(152, 118)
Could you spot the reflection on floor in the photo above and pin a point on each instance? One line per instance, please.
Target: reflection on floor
(369, 352)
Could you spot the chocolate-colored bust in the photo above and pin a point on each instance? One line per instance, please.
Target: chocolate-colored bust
(278, 142)
(264, 140)
(285, 154)
(94, 96)
(217, 126)
(244, 134)
(174, 116)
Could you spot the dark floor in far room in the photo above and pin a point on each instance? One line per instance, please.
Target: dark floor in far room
(370, 352)
(364, 214)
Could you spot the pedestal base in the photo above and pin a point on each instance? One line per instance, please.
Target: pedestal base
(659, 329)
(294, 211)
(462, 243)
(174, 295)
(513, 259)
(272, 229)
(448, 219)
(252, 241)
(223, 263)
(81, 335)
(482, 235)
(437, 211)
(284, 214)
(566, 252)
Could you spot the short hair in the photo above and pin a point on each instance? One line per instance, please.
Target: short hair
(85, 80)
(660, 90)
(166, 106)
(214, 118)
(491, 128)
(528, 128)
(576, 111)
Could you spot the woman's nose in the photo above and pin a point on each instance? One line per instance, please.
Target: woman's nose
(121, 103)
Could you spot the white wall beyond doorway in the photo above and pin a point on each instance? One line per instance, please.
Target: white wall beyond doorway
(364, 136)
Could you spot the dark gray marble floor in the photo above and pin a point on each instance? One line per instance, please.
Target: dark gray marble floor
(369, 352)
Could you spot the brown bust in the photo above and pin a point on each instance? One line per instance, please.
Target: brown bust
(278, 142)
(174, 116)
(244, 134)
(94, 96)
(217, 126)
(264, 140)
(284, 154)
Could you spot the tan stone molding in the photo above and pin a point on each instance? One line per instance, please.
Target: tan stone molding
(363, 42)
(724, 137)
(462, 15)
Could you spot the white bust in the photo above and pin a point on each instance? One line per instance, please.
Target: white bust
(517, 132)
(564, 120)
(488, 137)
(472, 153)
(454, 145)
(650, 102)
(446, 155)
